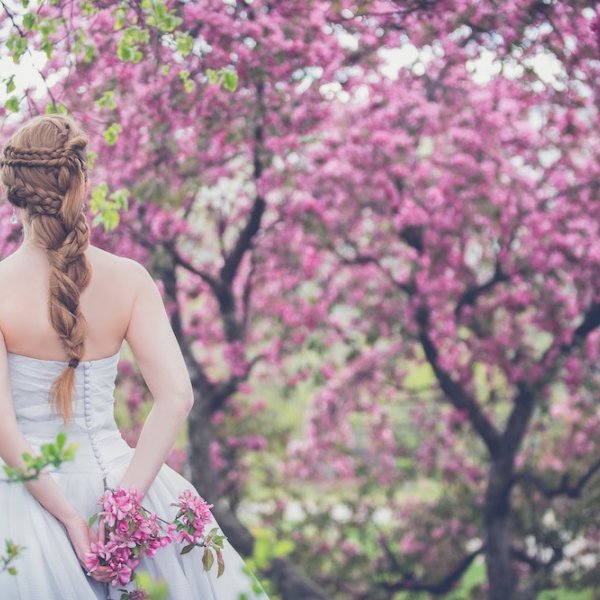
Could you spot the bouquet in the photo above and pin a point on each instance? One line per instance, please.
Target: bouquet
(131, 532)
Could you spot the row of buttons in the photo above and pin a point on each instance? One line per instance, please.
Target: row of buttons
(88, 418)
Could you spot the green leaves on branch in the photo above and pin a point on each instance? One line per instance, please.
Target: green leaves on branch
(12, 552)
(88, 8)
(17, 46)
(12, 104)
(17, 43)
(111, 133)
(106, 207)
(107, 100)
(184, 42)
(128, 46)
(59, 108)
(225, 77)
(53, 454)
(10, 84)
(157, 15)
(188, 84)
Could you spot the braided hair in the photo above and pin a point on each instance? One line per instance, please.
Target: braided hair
(44, 169)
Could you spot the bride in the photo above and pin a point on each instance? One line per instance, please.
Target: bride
(65, 309)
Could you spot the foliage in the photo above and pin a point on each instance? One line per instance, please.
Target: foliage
(378, 244)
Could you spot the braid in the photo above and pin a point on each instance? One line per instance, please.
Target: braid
(44, 167)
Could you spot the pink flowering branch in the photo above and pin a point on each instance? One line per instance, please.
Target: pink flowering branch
(133, 532)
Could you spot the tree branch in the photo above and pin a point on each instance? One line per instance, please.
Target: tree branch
(455, 393)
(564, 488)
(233, 260)
(471, 295)
(589, 323)
(179, 260)
(444, 585)
(252, 226)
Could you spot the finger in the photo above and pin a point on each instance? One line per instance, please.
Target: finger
(93, 534)
(102, 578)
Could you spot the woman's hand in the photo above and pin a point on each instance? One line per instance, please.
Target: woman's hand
(81, 535)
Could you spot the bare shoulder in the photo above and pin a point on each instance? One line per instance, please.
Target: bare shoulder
(118, 270)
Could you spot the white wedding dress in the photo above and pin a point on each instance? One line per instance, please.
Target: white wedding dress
(47, 568)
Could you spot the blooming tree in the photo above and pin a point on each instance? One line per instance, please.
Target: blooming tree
(431, 236)
(460, 210)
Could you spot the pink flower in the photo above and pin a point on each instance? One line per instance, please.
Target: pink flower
(132, 531)
(192, 517)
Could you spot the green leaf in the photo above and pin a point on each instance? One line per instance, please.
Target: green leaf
(212, 75)
(29, 21)
(12, 571)
(127, 47)
(93, 519)
(88, 8)
(120, 198)
(187, 548)
(110, 219)
(207, 559)
(69, 453)
(107, 100)
(89, 53)
(18, 46)
(111, 133)
(230, 80)
(184, 42)
(98, 196)
(91, 157)
(48, 48)
(12, 104)
(10, 84)
(61, 438)
(120, 18)
(220, 563)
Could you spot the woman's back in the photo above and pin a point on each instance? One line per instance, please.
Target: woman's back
(106, 303)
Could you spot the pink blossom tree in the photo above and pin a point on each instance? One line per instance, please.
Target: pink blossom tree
(462, 214)
(431, 237)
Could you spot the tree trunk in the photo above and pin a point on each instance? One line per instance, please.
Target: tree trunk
(199, 438)
(500, 572)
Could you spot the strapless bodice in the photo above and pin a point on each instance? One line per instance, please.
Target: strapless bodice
(93, 426)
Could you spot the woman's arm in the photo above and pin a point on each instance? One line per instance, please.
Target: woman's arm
(158, 355)
(13, 444)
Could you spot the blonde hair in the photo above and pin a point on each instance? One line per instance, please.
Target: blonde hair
(44, 168)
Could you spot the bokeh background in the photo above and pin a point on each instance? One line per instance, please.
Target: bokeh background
(375, 225)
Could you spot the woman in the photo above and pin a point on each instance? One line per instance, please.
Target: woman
(65, 309)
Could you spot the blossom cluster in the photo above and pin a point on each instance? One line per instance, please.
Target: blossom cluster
(131, 532)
